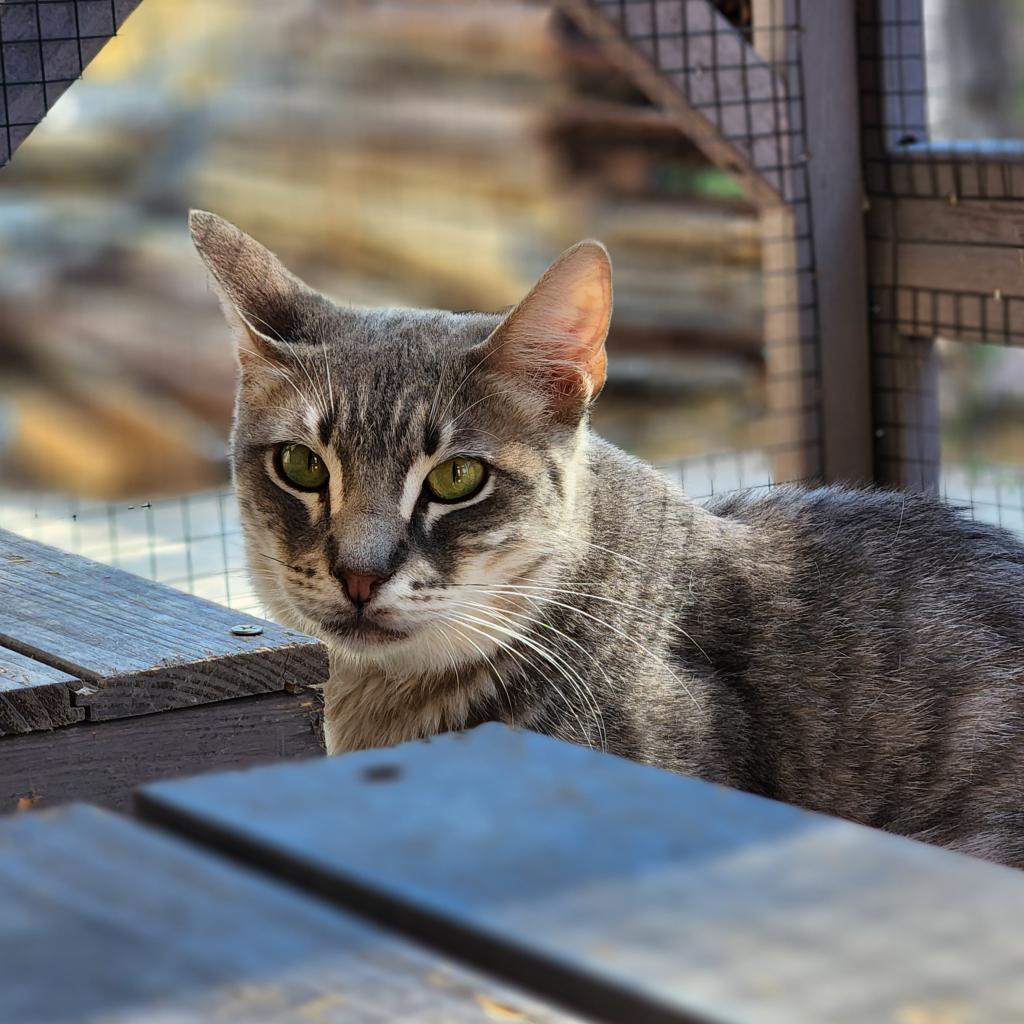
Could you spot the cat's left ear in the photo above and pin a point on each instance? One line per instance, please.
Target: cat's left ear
(553, 341)
(261, 298)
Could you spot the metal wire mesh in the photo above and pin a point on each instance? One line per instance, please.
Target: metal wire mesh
(44, 47)
(731, 74)
(749, 115)
(944, 221)
(942, 227)
(194, 542)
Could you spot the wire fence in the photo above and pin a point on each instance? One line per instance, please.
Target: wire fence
(44, 47)
(943, 155)
(943, 233)
(194, 542)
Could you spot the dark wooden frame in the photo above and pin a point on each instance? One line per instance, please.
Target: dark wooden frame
(875, 240)
(795, 145)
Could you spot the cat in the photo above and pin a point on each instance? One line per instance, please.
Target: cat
(421, 490)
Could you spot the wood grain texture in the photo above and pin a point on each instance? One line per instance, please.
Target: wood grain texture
(632, 893)
(34, 696)
(965, 221)
(102, 763)
(815, 309)
(107, 921)
(949, 267)
(141, 646)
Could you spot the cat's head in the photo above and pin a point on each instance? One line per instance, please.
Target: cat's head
(406, 476)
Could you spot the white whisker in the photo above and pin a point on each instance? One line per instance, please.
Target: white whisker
(607, 625)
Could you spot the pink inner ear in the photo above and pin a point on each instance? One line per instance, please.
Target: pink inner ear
(553, 341)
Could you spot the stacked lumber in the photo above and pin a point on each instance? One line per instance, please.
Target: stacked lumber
(118, 375)
(453, 148)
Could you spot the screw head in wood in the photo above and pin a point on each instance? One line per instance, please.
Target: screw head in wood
(246, 630)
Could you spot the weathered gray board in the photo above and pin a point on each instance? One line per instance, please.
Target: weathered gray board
(103, 762)
(33, 695)
(44, 46)
(626, 892)
(106, 920)
(953, 266)
(135, 646)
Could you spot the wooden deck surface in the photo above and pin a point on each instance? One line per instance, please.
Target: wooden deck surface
(105, 920)
(627, 893)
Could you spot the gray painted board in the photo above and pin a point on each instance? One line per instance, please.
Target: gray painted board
(628, 892)
(140, 646)
(106, 920)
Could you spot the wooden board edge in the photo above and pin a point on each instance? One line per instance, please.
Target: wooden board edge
(38, 709)
(577, 990)
(194, 683)
(102, 763)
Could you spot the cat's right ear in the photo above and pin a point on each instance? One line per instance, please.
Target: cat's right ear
(258, 294)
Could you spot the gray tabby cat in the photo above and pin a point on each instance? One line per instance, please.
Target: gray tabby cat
(421, 490)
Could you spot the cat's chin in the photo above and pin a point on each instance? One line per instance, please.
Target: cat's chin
(360, 636)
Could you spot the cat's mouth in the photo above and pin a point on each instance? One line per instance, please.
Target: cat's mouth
(361, 630)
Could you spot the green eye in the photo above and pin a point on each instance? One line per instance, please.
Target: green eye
(456, 479)
(302, 467)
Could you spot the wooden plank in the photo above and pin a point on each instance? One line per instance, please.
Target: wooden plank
(33, 695)
(632, 893)
(815, 290)
(106, 920)
(141, 646)
(102, 763)
(899, 159)
(790, 335)
(995, 222)
(791, 352)
(831, 102)
(950, 267)
(954, 269)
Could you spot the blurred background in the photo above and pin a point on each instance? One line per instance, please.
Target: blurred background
(400, 153)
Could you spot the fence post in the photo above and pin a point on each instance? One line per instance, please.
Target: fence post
(816, 298)
(891, 55)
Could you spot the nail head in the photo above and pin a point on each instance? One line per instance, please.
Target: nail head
(246, 630)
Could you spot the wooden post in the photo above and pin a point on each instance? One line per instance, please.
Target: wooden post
(816, 325)
(904, 359)
(907, 410)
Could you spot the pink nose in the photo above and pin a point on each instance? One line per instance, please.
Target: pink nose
(360, 586)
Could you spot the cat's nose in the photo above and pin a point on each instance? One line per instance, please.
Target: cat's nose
(360, 585)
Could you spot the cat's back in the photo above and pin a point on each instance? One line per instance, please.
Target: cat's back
(885, 529)
(901, 568)
(882, 671)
